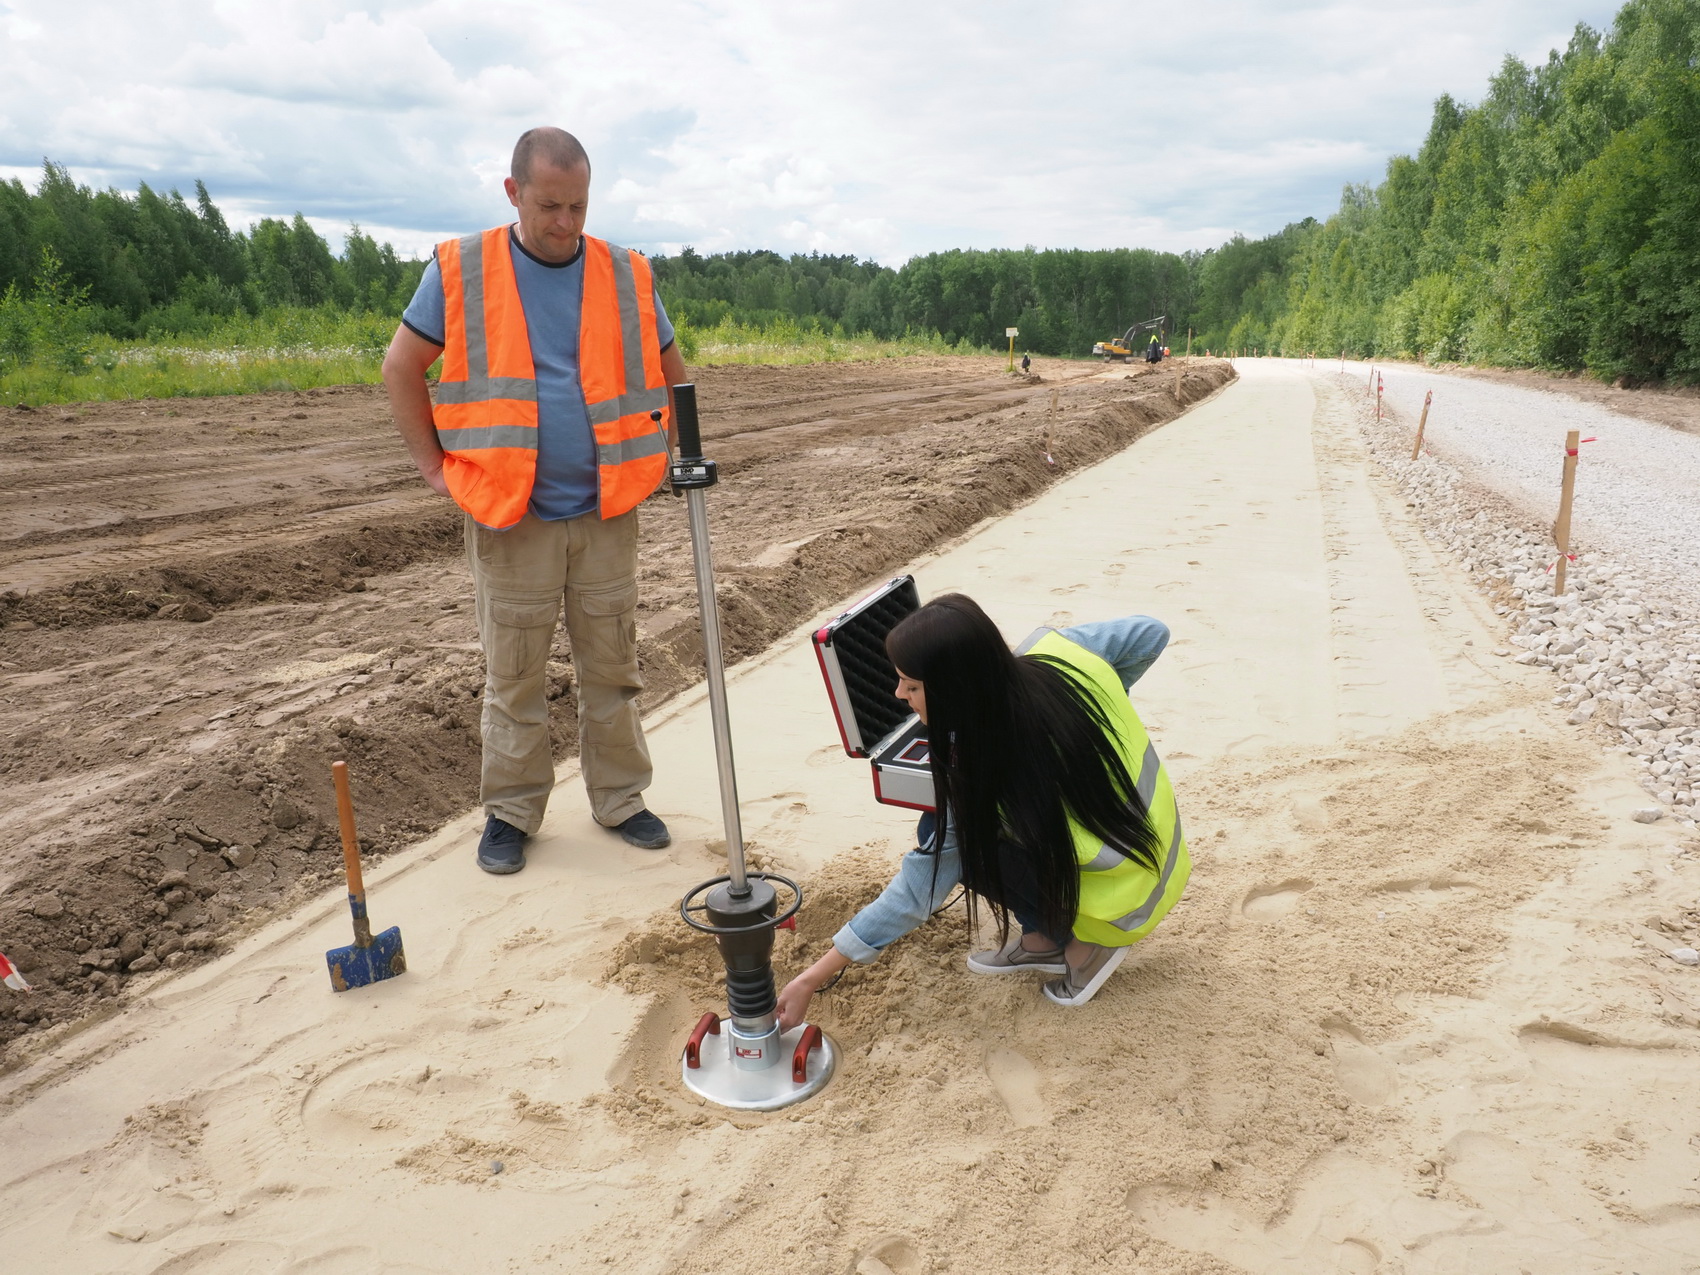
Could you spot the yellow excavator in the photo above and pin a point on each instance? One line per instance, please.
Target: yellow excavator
(1121, 348)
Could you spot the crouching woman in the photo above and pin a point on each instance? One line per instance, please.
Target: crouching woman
(1053, 806)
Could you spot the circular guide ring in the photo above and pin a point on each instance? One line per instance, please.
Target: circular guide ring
(686, 907)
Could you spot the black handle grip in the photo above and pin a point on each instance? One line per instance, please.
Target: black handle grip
(685, 416)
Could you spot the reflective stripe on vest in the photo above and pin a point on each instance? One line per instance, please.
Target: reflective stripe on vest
(1121, 901)
(486, 401)
(620, 371)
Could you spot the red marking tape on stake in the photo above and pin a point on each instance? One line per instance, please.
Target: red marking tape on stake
(1554, 562)
(1579, 442)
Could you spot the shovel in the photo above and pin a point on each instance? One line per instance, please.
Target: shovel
(367, 959)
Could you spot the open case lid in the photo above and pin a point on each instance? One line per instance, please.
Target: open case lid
(859, 676)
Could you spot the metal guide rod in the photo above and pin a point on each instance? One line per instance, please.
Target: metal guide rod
(743, 1066)
(695, 474)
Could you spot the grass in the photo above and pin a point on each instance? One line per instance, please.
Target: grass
(279, 350)
(304, 349)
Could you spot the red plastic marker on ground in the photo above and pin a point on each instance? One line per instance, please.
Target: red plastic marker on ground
(9, 975)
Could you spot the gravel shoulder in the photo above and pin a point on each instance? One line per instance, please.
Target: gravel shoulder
(1622, 642)
(1638, 484)
(1677, 407)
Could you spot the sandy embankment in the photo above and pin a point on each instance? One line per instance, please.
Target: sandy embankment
(1402, 1022)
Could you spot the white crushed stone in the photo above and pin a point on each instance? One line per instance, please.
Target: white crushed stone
(1637, 485)
(1624, 639)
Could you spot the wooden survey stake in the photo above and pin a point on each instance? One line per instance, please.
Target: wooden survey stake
(1422, 422)
(1561, 527)
(1049, 426)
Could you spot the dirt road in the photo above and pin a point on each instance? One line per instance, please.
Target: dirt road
(206, 601)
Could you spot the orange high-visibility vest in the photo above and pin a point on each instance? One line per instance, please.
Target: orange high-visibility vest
(486, 405)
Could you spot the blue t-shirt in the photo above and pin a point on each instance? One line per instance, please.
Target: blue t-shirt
(551, 293)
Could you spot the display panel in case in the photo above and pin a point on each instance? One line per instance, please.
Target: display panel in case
(860, 678)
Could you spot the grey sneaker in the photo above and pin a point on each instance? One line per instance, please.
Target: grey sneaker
(502, 847)
(1012, 958)
(644, 830)
(1080, 984)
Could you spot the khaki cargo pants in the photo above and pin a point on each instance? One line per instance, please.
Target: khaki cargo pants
(519, 577)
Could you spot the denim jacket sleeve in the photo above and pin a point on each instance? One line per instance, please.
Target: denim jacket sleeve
(923, 882)
(1130, 645)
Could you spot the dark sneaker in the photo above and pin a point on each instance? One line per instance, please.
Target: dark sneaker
(502, 847)
(1012, 958)
(1081, 982)
(645, 831)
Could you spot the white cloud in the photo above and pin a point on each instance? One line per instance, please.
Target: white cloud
(874, 127)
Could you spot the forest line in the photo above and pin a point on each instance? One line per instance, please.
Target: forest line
(1556, 223)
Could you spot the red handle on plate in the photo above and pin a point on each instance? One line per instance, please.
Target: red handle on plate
(800, 1060)
(707, 1025)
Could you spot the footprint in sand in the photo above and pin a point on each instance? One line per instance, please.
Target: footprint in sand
(1017, 1083)
(891, 1255)
(1304, 1240)
(1310, 815)
(382, 1101)
(225, 1255)
(1427, 889)
(1365, 1075)
(1578, 1056)
(1271, 902)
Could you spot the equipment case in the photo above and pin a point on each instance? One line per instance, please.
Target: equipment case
(872, 722)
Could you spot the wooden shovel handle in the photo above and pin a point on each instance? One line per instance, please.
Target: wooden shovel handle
(350, 842)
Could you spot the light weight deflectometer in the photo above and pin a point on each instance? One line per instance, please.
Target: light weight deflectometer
(751, 1064)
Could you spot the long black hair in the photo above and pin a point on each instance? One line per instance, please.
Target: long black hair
(1019, 745)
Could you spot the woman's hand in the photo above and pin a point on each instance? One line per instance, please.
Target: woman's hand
(794, 1000)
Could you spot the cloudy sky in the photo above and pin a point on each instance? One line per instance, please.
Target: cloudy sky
(878, 127)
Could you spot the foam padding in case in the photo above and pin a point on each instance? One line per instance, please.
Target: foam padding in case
(858, 639)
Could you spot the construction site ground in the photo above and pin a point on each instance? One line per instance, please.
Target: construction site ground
(1406, 1018)
(203, 602)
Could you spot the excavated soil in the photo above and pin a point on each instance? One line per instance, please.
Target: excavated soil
(205, 602)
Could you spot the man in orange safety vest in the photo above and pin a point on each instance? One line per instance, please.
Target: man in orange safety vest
(551, 423)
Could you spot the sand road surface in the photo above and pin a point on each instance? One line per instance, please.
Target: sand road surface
(1407, 1018)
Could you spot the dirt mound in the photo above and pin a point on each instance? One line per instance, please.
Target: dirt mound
(169, 780)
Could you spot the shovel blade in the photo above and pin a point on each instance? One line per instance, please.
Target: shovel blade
(355, 966)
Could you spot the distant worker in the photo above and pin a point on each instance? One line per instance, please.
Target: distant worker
(1154, 351)
(551, 425)
(1053, 807)
(1026, 363)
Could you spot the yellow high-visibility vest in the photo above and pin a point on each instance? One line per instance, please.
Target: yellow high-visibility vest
(1121, 901)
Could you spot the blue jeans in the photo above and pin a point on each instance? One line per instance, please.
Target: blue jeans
(924, 880)
(1020, 890)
